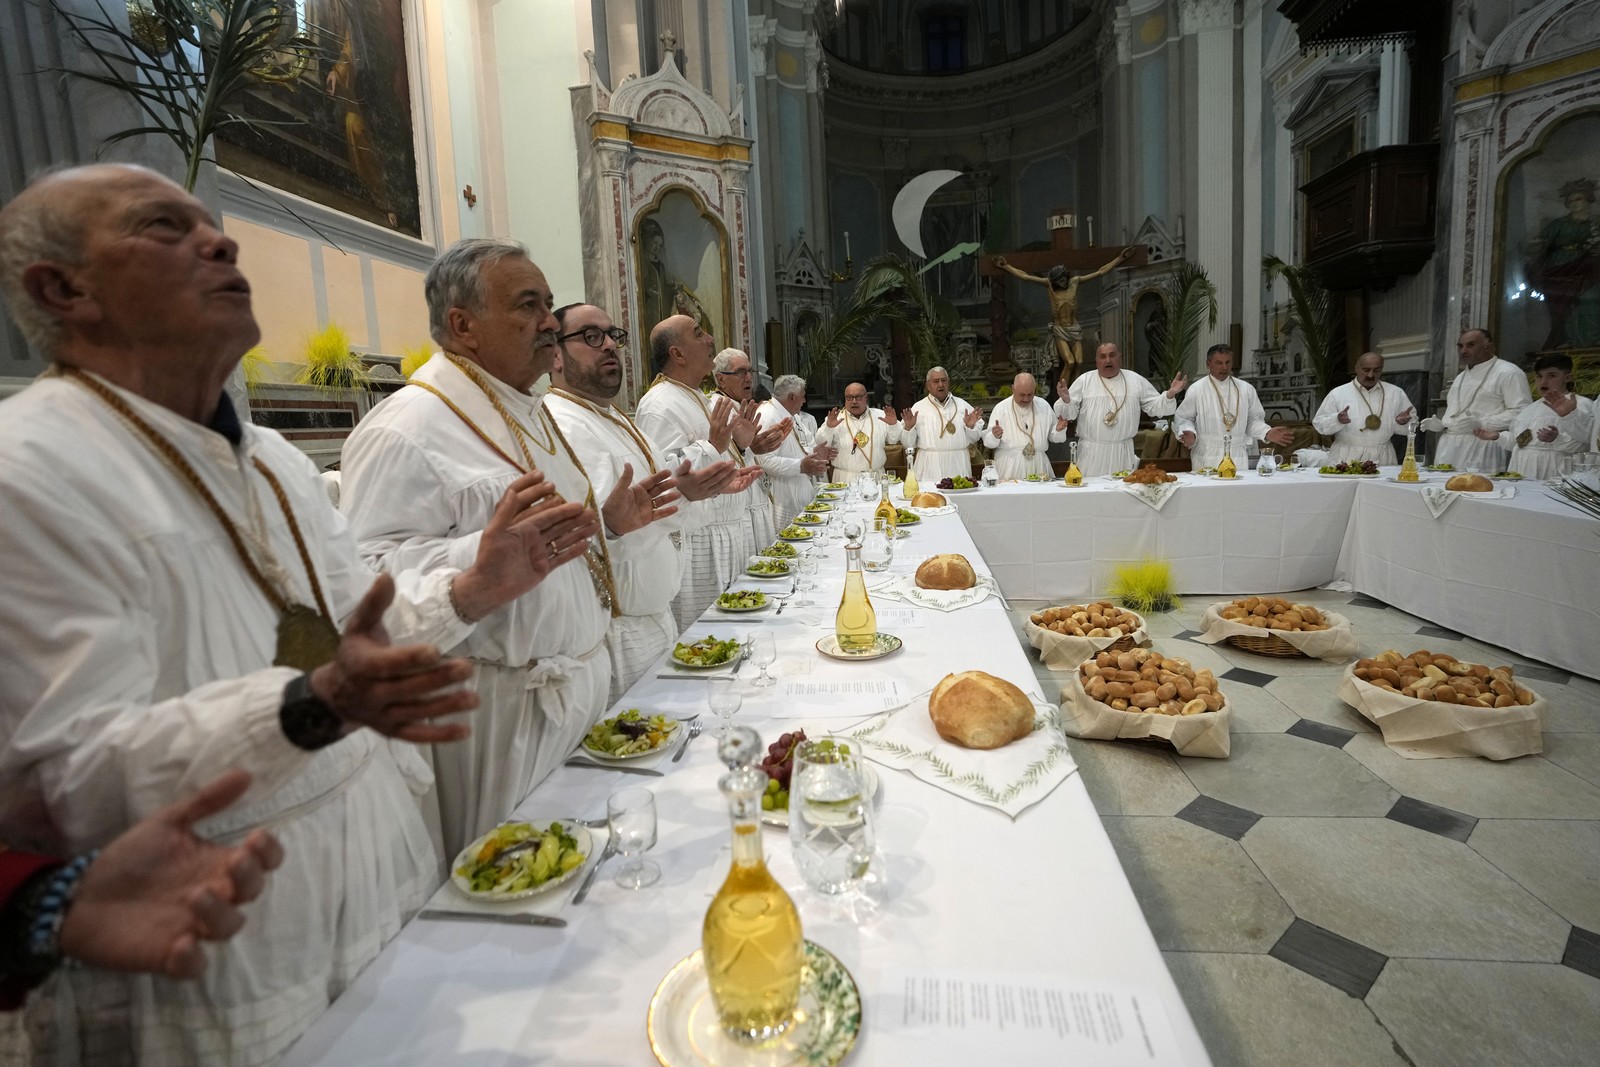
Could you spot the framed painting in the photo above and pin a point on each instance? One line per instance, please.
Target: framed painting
(341, 134)
(1547, 245)
(682, 266)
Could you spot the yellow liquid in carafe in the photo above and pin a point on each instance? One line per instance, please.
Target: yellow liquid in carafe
(856, 623)
(752, 945)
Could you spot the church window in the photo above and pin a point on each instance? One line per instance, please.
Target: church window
(945, 40)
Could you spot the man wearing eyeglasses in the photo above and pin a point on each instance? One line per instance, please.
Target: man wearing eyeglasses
(791, 465)
(649, 562)
(736, 380)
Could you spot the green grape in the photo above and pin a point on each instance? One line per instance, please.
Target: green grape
(772, 786)
(782, 799)
(767, 802)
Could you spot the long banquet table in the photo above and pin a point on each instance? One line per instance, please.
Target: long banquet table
(970, 888)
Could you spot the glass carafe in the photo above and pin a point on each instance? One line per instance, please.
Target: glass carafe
(1074, 476)
(910, 487)
(856, 623)
(1227, 468)
(886, 511)
(751, 939)
(1408, 468)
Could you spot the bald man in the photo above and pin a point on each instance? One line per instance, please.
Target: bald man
(858, 435)
(1482, 400)
(1363, 415)
(1021, 428)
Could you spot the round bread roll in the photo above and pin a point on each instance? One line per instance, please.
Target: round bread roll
(977, 710)
(1470, 483)
(946, 571)
(928, 500)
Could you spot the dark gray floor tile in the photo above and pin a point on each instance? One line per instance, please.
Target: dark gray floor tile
(1439, 631)
(1545, 674)
(1360, 601)
(1583, 952)
(1319, 731)
(1186, 635)
(1432, 818)
(1248, 677)
(1323, 954)
(1219, 817)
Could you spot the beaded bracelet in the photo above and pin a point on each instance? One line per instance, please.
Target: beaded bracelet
(50, 908)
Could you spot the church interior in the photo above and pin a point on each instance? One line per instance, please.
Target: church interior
(864, 190)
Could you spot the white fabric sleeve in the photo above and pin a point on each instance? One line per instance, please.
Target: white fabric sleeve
(1183, 420)
(1255, 419)
(1154, 402)
(1067, 408)
(1326, 420)
(892, 434)
(1514, 395)
(988, 437)
(973, 432)
(1055, 436)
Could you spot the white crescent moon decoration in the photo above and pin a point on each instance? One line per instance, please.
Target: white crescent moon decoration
(909, 203)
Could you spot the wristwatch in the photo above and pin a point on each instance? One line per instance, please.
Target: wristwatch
(307, 722)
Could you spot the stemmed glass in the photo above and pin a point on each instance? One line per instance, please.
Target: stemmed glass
(632, 815)
(763, 653)
(806, 580)
(722, 694)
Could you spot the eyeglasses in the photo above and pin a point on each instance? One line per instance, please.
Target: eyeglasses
(594, 336)
(746, 372)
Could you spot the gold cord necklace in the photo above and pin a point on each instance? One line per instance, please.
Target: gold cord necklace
(306, 638)
(1374, 419)
(1116, 410)
(1228, 417)
(1028, 450)
(616, 418)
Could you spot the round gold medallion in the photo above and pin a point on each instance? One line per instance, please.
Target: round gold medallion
(1111, 418)
(1373, 422)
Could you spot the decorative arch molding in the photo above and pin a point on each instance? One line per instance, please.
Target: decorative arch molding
(1545, 32)
(638, 143)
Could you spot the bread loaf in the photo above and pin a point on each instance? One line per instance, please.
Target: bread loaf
(946, 571)
(928, 500)
(977, 710)
(1470, 483)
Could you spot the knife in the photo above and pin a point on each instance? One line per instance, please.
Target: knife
(588, 879)
(650, 772)
(518, 918)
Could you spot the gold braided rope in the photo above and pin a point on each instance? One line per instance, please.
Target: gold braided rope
(1116, 412)
(616, 418)
(1229, 418)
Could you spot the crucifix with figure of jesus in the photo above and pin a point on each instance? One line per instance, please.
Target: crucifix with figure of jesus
(1054, 267)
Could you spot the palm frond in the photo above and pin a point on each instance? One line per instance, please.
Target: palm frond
(1311, 314)
(887, 288)
(1194, 311)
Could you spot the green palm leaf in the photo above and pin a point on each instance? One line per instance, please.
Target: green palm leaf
(1311, 313)
(1194, 310)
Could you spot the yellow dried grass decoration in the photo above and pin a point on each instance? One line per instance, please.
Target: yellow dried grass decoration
(253, 365)
(1144, 586)
(329, 362)
(414, 358)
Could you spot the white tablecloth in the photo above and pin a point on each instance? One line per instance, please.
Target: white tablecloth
(1522, 573)
(1253, 535)
(971, 888)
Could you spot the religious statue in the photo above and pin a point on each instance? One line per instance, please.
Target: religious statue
(1566, 266)
(661, 296)
(1062, 287)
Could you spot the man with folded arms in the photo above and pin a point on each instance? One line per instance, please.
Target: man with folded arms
(1223, 405)
(1106, 407)
(1483, 399)
(858, 435)
(1363, 414)
(684, 423)
(648, 563)
(1553, 429)
(1021, 428)
(174, 585)
(792, 465)
(422, 473)
(940, 427)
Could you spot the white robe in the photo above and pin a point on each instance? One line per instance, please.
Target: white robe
(791, 488)
(1201, 415)
(1352, 441)
(805, 428)
(1488, 396)
(1549, 459)
(136, 666)
(940, 453)
(648, 563)
(1038, 426)
(419, 487)
(1101, 448)
(721, 538)
(853, 458)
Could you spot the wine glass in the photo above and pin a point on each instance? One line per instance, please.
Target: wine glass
(806, 580)
(632, 816)
(763, 653)
(722, 694)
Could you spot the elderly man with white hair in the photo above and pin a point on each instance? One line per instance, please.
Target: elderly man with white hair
(790, 466)
(1020, 430)
(940, 427)
(736, 380)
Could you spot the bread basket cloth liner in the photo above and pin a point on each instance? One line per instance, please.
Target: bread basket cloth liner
(1206, 734)
(1429, 729)
(1337, 643)
(1064, 652)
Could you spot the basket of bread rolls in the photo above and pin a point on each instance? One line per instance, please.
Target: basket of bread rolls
(1431, 705)
(1142, 694)
(1275, 626)
(1069, 634)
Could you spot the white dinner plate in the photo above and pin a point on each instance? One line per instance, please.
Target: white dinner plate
(579, 833)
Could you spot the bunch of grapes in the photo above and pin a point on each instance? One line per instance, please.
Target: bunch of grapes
(945, 483)
(779, 765)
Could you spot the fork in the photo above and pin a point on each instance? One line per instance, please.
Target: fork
(783, 601)
(694, 732)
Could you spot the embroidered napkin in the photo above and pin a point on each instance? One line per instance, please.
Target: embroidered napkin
(904, 587)
(1438, 498)
(1154, 495)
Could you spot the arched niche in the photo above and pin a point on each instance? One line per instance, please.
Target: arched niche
(681, 263)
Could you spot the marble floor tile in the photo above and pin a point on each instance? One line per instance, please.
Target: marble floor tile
(1529, 787)
(1321, 732)
(1278, 774)
(1256, 710)
(1219, 817)
(1342, 963)
(1557, 861)
(1246, 676)
(1256, 1011)
(1578, 753)
(1124, 779)
(1199, 891)
(1583, 952)
(1162, 624)
(1279, 666)
(1403, 892)
(1572, 710)
(1458, 1013)
(1420, 815)
(1317, 698)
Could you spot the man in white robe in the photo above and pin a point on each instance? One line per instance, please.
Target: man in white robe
(859, 435)
(1021, 428)
(1223, 405)
(941, 427)
(735, 377)
(139, 654)
(1363, 414)
(421, 474)
(648, 564)
(1106, 407)
(791, 467)
(1484, 399)
(1549, 432)
(684, 423)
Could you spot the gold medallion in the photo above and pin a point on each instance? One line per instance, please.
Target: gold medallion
(861, 439)
(1228, 420)
(1028, 450)
(1373, 422)
(1524, 438)
(1111, 418)
(306, 639)
(950, 427)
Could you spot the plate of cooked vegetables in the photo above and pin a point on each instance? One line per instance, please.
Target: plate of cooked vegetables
(780, 551)
(794, 533)
(743, 600)
(629, 735)
(819, 505)
(836, 485)
(518, 859)
(767, 567)
(705, 653)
